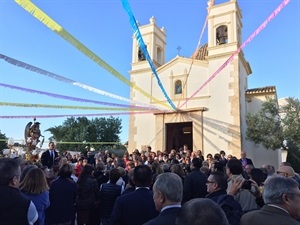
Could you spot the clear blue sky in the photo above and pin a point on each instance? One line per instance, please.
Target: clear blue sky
(103, 27)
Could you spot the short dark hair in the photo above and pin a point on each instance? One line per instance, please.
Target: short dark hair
(235, 166)
(258, 176)
(8, 169)
(114, 175)
(142, 176)
(217, 156)
(209, 155)
(120, 163)
(80, 159)
(174, 161)
(220, 178)
(218, 166)
(197, 162)
(222, 152)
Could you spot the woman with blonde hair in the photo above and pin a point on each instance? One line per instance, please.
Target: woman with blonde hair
(35, 187)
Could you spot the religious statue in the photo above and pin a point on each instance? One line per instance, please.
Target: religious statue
(33, 134)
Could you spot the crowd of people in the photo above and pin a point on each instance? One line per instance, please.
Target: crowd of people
(147, 188)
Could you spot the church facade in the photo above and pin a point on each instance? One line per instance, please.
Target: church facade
(214, 118)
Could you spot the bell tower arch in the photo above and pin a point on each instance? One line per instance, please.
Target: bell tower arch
(224, 28)
(155, 41)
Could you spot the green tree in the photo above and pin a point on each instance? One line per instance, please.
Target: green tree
(108, 129)
(56, 132)
(272, 127)
(82, 130)
(291, 121)
(3, 142)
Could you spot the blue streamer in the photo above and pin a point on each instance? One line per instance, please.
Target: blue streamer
(142, 45)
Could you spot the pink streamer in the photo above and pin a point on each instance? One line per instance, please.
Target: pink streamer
(77, 115)
(255, 33)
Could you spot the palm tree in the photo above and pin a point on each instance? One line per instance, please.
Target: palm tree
(57, 132)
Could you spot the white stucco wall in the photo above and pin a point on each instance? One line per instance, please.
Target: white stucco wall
(218, 117)
(224, 125)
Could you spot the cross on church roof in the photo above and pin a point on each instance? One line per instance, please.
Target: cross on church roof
(178, 49)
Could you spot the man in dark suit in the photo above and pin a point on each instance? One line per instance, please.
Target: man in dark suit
(14, 207)
(245, 161)
(137, 207)
(49, 156)
(167, 196)
(281, 196)
(216, 187)
(194, 182)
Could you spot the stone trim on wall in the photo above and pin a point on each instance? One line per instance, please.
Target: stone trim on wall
(236, 143)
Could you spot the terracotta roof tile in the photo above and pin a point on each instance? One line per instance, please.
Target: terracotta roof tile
(200, 53)
(262, 90)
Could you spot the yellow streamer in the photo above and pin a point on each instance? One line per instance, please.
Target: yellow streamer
(50, 23)
(73, 142)
(66, 107)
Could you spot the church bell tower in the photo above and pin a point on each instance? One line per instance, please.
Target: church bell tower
(224, 28)
(155, 41)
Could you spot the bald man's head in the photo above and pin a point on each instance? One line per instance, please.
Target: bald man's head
(286, 171)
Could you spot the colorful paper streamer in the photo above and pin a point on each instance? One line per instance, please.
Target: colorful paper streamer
(78, 142)
(35, 69)
(210, 5)
(50, 23)
(30, 105)
(254, 34)
(74, 98)
(142, 45)
(76, 115)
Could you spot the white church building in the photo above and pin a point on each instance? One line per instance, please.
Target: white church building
(214, 118)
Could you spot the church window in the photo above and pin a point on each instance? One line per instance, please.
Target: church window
(159, 55)
(178, 87)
